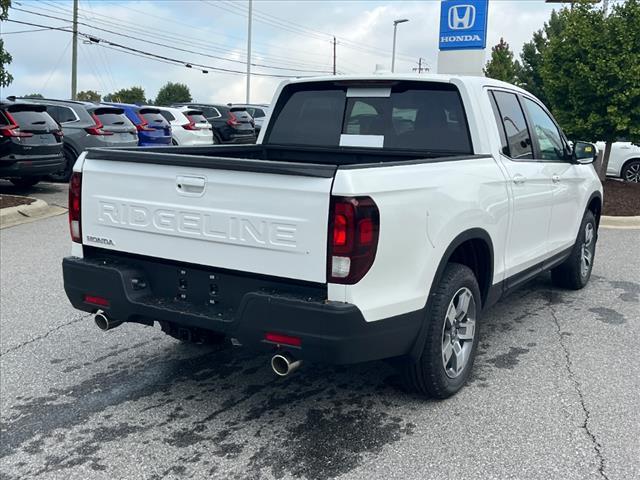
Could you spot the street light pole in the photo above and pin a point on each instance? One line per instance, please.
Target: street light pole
(395, 31)
(249, 52)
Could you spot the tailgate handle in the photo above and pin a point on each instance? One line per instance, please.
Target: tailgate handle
(191, 186)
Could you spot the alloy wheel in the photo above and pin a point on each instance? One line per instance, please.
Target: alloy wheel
(587, 250)
(458, 332)
(632, 173)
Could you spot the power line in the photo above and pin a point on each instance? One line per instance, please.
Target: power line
(182, 39)
(198, 66)
(171, 46)
(28, 31)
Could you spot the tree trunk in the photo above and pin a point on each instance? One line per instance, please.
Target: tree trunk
(603, 161)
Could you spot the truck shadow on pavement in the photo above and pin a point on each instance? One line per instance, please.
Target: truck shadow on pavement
(221, 412)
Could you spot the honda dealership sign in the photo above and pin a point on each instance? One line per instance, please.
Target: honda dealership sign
(463, 24)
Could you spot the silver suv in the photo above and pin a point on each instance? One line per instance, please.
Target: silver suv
(86, 125)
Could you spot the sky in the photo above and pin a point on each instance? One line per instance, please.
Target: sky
(289, 38)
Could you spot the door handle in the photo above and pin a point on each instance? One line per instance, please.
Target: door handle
(519, 179)
(190, 185)
(555, 178)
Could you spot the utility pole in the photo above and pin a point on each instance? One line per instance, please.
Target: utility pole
(334, 55)
(420, 68)
(605, 6)
(74, 52)
(248, 52)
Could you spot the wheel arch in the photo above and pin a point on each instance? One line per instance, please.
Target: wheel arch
(594, 205)
(473, 248)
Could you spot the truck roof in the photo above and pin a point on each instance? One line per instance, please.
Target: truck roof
(471, 81)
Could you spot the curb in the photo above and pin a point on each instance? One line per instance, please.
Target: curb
(12, 216)
(620, 222)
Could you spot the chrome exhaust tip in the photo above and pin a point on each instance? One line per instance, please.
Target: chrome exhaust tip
(104, 323)
(284, 363)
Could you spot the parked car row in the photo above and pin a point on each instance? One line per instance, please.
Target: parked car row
(43, 137)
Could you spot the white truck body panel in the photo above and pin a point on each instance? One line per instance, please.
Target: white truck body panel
(280, 221)
(260, 223)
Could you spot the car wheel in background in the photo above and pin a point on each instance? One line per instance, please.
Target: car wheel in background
(25, 182)
(69, 160)
(631, 171)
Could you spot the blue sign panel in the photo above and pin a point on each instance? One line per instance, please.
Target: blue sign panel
(463, 24)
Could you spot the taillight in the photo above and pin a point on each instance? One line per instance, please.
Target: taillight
(75, 190)
(98, 128)
(13, 129)
(143, 126)
(354, 223)
(190, 126)
(232, 121)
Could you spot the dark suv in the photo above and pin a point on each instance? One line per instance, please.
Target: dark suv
(30, 143)
(230, 124)
(87, 125)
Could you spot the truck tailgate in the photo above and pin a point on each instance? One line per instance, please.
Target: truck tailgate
(264, 223)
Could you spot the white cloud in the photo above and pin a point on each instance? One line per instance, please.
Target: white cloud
(39, 56)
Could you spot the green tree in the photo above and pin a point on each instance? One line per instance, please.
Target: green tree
(173, 93)
(34, 95)
(88, 96)
(530, 76)
(502, 65)
(590, 73)
(5, 57)
(127, 95)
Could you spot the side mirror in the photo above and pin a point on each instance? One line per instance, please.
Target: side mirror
(584, 153)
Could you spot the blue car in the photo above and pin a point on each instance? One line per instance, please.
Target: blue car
(153, 129)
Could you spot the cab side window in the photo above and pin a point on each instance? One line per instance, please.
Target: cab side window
(511, 119)
(545, 131)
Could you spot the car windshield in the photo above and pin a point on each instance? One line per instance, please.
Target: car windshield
(416, 116)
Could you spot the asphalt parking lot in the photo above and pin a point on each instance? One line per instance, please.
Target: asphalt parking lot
(555, 391)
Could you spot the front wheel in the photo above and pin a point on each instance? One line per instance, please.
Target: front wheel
(575, 271)
(451, 338)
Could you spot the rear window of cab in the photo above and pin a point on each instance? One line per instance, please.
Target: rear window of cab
(416, 116)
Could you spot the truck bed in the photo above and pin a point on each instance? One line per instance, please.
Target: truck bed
(305, 161)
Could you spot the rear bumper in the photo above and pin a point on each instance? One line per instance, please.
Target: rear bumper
(31, 165)
(249, 307)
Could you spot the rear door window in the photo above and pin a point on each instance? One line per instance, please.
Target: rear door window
(416, 116)
(167, 115)
(510, 118)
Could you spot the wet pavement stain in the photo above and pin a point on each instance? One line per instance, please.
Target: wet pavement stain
(608, 315)
(508, 360)
(630, 290)
(328, 443)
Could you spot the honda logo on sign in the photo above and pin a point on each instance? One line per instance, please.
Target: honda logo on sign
(462, 17)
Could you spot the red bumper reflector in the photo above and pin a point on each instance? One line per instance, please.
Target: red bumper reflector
(283, 339)
(94, 300)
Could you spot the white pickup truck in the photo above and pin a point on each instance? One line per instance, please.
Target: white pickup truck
(377, 217)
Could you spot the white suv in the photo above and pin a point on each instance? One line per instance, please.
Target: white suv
(188, 126)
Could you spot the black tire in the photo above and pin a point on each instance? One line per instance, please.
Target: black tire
(216, 138)
(572, 273)
(192, 335)
(69, 160)
(631, 171)
(429, 375)
(174, 143)
(25, 182)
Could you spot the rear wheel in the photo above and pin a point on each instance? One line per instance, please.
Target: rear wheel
(65, 174)
(631, 171)
(25, 182)
(575, 271)
(451, 338)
